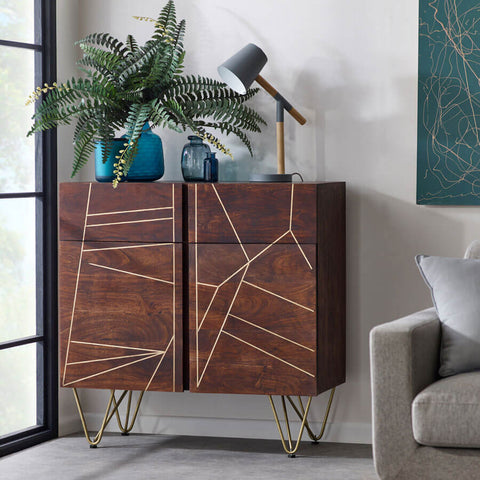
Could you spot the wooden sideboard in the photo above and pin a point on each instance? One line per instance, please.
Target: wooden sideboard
(227, 288)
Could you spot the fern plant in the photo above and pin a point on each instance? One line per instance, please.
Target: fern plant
(127, 85)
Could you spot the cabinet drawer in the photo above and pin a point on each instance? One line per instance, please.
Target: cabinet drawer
(253, 320)
(252, 213)
(121, 315)
(134, 212)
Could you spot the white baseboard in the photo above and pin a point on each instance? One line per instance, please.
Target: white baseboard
(236, 427)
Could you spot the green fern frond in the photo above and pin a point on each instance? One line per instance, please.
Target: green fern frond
(224, 110)
(131, 44)
(137, 117)
(158, 73)
(83, 148)
(100, 60)
(162, 116)
(167, 20)
(137, 61)
(104, 40)
(180, 66)
(174, 57)
(106, 133)
(189, 84)
(71, 100)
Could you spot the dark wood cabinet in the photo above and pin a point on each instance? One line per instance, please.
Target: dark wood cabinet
(266, 287)
(231, 288)
(121, 284)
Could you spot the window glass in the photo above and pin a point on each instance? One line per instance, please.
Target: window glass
(18, 388)
(17, 152)
(17, 20)
(17, 268)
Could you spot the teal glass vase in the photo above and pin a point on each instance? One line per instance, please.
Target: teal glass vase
(193, 155)
(148, 164)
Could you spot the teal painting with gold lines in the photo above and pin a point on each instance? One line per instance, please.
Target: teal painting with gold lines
(448, 145)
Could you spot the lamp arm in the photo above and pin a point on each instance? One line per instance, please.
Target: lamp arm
(286, 105)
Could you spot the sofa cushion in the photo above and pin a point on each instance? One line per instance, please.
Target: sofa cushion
(455, 287)
(447, 412)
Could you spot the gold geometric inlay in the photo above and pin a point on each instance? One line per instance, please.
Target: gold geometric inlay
(109, 345)
(131, 273)
(108, 359)
(128, 211)
(125, 247)
(272, 333)
(279, 296)
(268, 353)
(112, 369)
(160, 362)
(130, 222)
(230, 221)
(223, 325)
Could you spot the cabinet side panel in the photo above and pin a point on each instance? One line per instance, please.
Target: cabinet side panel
(331, 294)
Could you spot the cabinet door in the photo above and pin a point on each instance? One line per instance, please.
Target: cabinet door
(121, 315)
(253, 318)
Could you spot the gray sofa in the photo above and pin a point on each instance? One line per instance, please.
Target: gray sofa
(420, 420)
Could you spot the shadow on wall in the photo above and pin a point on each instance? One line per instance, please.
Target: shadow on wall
(319, 90)
(383, 236)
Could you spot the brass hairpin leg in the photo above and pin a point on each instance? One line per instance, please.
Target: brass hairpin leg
(301, 413)
(290, 449)
(126, 427)
(106, 419)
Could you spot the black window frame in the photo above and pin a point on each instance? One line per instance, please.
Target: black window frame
(45, 195)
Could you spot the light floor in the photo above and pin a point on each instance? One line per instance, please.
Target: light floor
(164, 457)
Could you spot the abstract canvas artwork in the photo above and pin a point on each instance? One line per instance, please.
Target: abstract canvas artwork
(448, 148)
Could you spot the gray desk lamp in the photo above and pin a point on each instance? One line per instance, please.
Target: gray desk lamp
(239, 72)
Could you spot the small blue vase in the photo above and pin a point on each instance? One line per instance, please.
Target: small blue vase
(210, 168)
(148, 164)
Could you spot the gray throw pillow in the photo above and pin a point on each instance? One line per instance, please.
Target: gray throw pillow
(455, 287)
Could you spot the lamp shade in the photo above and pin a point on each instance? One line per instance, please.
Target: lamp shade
(239, 71)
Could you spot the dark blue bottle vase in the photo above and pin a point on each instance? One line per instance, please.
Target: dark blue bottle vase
(210, 168)
(147, 166)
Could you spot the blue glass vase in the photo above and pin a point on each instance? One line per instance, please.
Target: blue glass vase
(148, 164)
(193, 155)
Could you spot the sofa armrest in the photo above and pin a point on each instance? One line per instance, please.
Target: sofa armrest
(404, 356)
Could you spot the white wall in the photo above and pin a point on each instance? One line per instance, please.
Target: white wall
(351, 68)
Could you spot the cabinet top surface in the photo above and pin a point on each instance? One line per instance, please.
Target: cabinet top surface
(108, 184)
